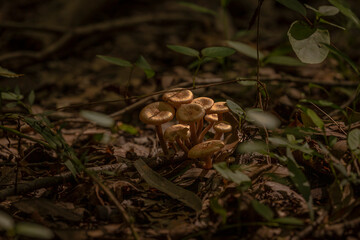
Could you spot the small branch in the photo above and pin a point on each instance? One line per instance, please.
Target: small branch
(45, 182)
(212, 83)
(69, 34)
(45, 144)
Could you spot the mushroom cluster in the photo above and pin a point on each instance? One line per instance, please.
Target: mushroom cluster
(195, 118)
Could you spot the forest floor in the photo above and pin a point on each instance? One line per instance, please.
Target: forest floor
(82, 180)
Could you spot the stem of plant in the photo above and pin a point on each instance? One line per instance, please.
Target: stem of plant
(196, 71)
(26, 136)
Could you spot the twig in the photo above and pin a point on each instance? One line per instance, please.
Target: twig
(69, 34)
(213, 83)
(328, 116)
(44, 182)
(45, 144)
(309, 229)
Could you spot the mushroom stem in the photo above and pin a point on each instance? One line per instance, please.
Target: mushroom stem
(161, 139)
(200, 126)
(218, 135)
(220, 117)
(206, 129)
(193, 133)
(181, 145)
(207, 162)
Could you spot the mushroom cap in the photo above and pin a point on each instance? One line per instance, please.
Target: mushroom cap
(205, 102)
(222, 127)
(179, 97)
(205, 149)
(211, 117)
(157, 113)
(190, 112)
(181, 130)
(219, 107)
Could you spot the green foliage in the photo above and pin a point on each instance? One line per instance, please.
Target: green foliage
(293, 5)
(344, 9)
(354, 140)
(233, 175)
(262, 210)
(164, 185)
(217, 52)
(117, 61)
(197, 8)
(184, 50)
(98, 118)
(26, 229)
(307, 43)
(140, 63)
(245, 49)
(8, 74)
(217, 208)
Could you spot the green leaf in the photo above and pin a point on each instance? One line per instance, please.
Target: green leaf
(11, 96)
(33, 230)
(313, 116)
(217, 208)
(263, 119)
(249, 147)
(31, 97)
(198, 8)
(116, 61)
(217, 52)
(245, 49)
(99, 118)
(343, 56)
(127, 128)
(6, 73)
(145, 66)
(293, 5)
(262, 210)
(344, 9)
(236, 176)
(235, 108)
(71, 167)
(184, 50)
(155, 180)
(298, 178)
(322, 103)
(328, 10)
(354, 139)
(331, 24)
(288, 221)
(283, 60)
(6, 221)
(307, 43)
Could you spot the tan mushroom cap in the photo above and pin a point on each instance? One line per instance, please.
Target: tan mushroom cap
(181, 130)
(211, 117)
(179, 97)
(205, 149)
(205, 102)
(219, 107)
(190, 112)
(157, 113)
(222, 127)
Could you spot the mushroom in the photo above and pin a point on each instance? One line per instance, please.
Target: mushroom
(219, 108)
(176, 98)
(205, 150)
(156, 114)
(190, 114)
(220, 128)
(178, 133)
(211, 119)
(206, 103)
